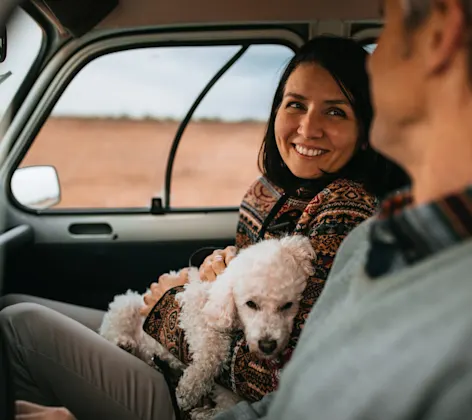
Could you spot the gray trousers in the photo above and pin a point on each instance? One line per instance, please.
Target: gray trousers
(57, 358)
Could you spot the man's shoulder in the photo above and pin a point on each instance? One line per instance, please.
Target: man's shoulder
(417, 319)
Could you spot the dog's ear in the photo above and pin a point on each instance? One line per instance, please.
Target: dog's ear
(301, 249)
(220, 309)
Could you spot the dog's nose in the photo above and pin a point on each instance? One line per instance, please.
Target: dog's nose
(267, 346)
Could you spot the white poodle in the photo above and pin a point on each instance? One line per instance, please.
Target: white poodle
(259, 293)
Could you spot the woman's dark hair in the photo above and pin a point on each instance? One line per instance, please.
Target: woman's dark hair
(346, 61)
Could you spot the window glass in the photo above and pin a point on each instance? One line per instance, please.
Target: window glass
(370, 48)
(24, 39)
(217, 158)
(110, 134)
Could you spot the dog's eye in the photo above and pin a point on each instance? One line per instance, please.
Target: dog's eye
(287, 306)
(252, 305)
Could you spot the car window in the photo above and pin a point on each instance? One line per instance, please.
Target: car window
(370, 48)
(217, 159)
(110, 134)
(24, 39)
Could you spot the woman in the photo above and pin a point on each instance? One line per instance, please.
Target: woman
(320, 179)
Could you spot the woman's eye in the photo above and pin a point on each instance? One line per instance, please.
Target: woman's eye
(287, 306)
(336, 112)
(252, 305)
(294, 105)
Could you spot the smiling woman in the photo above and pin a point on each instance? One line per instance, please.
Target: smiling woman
(319, 124)
(316, 129)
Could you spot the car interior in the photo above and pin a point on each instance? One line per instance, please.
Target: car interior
(87, 254)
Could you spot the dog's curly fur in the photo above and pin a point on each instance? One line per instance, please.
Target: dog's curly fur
(259, 293)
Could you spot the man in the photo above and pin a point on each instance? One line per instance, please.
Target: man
(391, 336)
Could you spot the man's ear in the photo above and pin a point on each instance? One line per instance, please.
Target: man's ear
(443, 34)
(220, 309)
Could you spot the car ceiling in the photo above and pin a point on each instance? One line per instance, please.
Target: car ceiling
(80, 16)
(156, 12)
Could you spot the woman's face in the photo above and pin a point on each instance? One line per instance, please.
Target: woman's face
(315, 126)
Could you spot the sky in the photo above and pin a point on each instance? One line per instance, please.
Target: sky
(157, 82)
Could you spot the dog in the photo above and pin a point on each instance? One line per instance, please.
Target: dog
(258, 293)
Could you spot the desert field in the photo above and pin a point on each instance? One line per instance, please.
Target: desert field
(105, 163)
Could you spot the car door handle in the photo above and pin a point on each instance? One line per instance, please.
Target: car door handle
(90, 229)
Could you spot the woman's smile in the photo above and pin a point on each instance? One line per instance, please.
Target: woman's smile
(309, 151)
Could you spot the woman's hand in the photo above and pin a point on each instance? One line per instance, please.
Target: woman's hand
(29, 411)
(159, 289)
(216, 263)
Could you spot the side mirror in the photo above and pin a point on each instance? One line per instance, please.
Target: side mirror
(36, 187)
(3, 43)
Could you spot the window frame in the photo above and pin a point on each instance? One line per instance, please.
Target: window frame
(28, 80)
(368, 36)
(109, 43)
(156, 205)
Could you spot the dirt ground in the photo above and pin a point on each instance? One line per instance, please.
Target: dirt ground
(122, 163)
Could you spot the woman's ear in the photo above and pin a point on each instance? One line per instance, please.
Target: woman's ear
(220, 309)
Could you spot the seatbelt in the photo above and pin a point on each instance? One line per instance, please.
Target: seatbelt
(272, 213)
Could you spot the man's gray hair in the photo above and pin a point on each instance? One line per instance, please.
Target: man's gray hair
(416, 11)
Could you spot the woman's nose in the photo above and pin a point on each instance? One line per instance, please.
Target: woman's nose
(311, 126)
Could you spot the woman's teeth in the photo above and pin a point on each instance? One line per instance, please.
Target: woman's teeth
(308, 152)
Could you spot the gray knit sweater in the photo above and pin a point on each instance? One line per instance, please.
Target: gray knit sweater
(397, 347)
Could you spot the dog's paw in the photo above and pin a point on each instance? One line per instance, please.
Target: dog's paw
(186, 397)
(224, 398)
(127, 345)
(193, 385)
(184, 401)
(204, 413)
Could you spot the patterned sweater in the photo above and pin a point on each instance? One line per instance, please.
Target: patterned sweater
(326, 218)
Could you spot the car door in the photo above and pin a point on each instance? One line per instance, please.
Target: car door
(131, 150)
